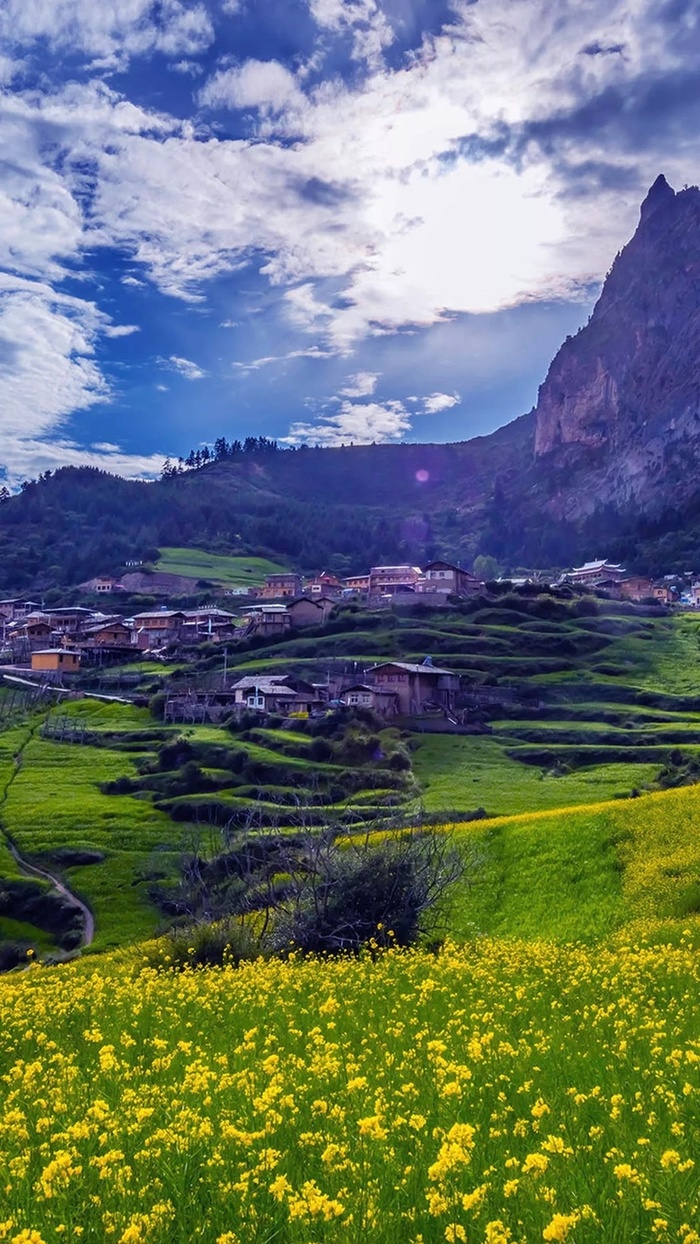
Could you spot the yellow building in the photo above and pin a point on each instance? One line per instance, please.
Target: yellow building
(56, 661)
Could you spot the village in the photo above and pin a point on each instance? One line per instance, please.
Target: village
(55, 645)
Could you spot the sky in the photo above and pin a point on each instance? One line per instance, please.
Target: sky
(323, 221)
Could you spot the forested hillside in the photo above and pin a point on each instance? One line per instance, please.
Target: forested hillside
(345, 509)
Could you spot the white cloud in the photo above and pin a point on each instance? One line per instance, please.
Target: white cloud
(436, 402)
(121, 330)
(354, 423)
(132, 280)
(266, 85)
(110, 29)
(232, 7)
(362, 384)
(370, 28)
(313, 352)
(190, 68)
(184, 367)
(30, 457)
(47, 373)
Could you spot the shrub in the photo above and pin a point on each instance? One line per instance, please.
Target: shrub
(399, 761)
(320, 750)
(203, 945)
(365, 895)
(12, 954)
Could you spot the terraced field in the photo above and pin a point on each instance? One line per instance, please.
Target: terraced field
(114, 815)
(598, 699)
(217, 568)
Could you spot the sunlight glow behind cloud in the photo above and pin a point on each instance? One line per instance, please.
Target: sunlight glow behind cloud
(367, 188)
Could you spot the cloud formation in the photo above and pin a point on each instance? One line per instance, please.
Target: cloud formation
(498, 161)
(354, 424)
(439, 401)
(184, 367)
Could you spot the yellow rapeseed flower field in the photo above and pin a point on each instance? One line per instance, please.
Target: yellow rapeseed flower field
(495, 1093)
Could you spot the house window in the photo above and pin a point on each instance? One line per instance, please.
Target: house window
(354, 697)
(256, 700)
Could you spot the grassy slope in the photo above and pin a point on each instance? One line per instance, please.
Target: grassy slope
(464, 772)
(581, 873)
(55, 802)
(229, 571)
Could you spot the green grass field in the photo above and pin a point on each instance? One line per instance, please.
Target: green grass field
(534, 1080)
(217, 568)
(466, 772)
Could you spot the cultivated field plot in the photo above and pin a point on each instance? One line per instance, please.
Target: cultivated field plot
(217, 568)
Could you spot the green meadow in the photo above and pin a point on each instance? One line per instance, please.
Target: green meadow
(532, 1078)
(217, 568)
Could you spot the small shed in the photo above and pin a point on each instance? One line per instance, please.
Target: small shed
(56, 661)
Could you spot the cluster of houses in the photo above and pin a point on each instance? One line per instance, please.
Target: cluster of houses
(612, 578)
(391, 688)
(57, 640)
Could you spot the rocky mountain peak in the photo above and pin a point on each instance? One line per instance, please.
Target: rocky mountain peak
(659, 194)
(630, 380)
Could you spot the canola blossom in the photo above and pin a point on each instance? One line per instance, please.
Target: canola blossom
(495, 1093)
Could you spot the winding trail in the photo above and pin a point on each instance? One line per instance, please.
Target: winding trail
(33, 870)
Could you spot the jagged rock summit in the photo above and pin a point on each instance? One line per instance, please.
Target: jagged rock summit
(622, 398)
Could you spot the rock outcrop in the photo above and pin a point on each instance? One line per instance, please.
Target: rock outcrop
(621, 401)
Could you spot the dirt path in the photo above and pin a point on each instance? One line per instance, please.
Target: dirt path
(33, 870)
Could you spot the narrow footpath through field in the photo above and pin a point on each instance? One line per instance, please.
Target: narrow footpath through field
(33, 869)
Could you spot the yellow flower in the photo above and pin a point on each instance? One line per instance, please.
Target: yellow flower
(535, 1164)
(560, 1226)
(372, 1127)
(278, 1189)
(670, 1158)
(455, 1233)
(496, 1233)
(623, 1170)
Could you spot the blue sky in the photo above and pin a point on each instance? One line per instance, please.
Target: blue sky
(324, 220)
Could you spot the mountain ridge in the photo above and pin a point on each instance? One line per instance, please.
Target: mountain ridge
(607, 460)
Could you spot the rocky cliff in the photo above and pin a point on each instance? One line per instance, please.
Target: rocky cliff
(618, 416)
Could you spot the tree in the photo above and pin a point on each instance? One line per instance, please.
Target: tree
(486, 567)
(320, 892)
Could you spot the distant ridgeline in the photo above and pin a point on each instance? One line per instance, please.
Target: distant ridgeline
(221, 451)
(608, 462)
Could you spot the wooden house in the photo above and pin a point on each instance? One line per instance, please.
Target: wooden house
(273, 693)
(155, 628)
(268, 620)
(386, 580)
(440, 576)
(307, 612)
(111, 633)
(279, 586)
(636, 587)
(323, 584)
(363, 695)
(664, 593)
(417, 687)
(56, 661)
(15, 608)
(357, 583)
